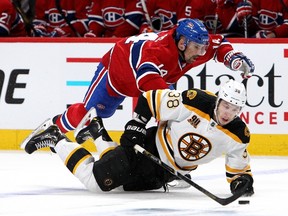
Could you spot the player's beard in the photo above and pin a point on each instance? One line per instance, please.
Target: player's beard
(192, 59)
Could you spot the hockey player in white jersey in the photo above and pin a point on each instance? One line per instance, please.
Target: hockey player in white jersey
(194, 128)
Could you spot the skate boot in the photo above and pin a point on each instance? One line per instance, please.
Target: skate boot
(94, 130)
(47, 138)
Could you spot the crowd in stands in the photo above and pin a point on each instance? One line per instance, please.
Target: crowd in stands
(121, 18)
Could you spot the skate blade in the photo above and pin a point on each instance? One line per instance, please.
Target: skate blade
(43, 126)
(88, 117)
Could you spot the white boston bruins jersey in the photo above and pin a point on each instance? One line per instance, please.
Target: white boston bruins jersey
(187, 135)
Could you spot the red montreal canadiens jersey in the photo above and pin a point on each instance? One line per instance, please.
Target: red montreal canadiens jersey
(75, 11)
(11, 23)
(169, 12)
(271, 16)
(151, 61)
(119, 18)
(206, 11)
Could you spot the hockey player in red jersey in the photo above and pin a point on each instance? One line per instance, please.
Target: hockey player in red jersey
(11, 24)
(109, 18)
(162, 14)
(224, 16)
(61, 18)
(151, 61)
(271, 18)
(195, 127)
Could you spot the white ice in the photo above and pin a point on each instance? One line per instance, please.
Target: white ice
(39, 184)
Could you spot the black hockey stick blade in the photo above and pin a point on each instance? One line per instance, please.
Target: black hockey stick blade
(222, 201)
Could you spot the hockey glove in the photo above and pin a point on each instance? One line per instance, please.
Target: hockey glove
(59, 32)
(238, 61)
(40, 31)
(89, 34)
(262, 34)
(135, 133)
(238, 183)
(243, 10)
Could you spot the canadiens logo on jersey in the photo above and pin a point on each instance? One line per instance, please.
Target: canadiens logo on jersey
(55, 18)
(269, 19)
(113, 16)
(193, 146)
(209, 21)
(167, 17)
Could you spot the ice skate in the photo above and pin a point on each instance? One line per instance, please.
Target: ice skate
(94, 130)
(42, 137)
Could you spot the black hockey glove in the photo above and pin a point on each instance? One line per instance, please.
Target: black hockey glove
(135, 133)
(238, 183)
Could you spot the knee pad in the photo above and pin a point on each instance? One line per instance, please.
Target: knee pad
(112, 170)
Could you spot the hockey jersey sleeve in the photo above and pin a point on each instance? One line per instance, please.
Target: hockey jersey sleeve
(237, 163)
(78, 19)
(133, 18)
(237, 159)
(220, 46)
(96, 22)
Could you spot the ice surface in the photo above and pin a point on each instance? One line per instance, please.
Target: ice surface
(39, 184)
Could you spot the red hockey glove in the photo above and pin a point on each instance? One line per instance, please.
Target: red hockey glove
(58, 32)
(89, 34)
(135, 133)
(262, 34)
(238, 61)
(243, 10)
(40, 31)
(238, 183)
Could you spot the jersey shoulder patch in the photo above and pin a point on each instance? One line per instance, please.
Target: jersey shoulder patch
(200, 99)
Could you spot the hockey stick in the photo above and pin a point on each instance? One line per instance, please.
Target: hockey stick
(284, 6)
(27, 22)
(59, 8)
(245, 23)
(215, 21)
(222, 201)
(147, 14)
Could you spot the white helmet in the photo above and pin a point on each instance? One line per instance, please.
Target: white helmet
(233, 92)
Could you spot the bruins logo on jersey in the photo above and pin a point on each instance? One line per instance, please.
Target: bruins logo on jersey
(191, 94)
(193, 146)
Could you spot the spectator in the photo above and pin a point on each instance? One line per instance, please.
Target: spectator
(110, 18)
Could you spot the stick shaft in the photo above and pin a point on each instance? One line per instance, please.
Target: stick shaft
(222, 201)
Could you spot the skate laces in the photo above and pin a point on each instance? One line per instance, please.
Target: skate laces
(44, 143)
